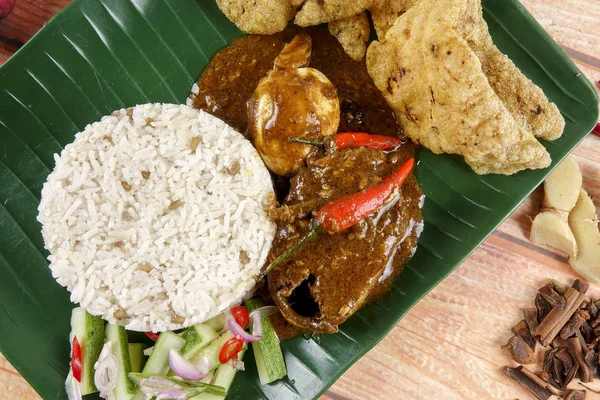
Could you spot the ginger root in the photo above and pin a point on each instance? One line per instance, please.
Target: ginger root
(562, 187)
(552, 229)
(551, 226)
(583, 221)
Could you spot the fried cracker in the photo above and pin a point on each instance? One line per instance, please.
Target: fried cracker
(353, 34)
(387, 12)
(315, 12)
(434, 82)
(525, 100)
(259, 16)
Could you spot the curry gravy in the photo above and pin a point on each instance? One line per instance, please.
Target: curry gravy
(332, 277)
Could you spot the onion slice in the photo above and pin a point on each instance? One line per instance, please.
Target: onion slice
(183, 368)
(106, 371)
(203, 365)
(72, 388)
(237, 329)
(257, 316)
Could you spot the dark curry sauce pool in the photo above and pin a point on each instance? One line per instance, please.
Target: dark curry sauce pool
(334, 275)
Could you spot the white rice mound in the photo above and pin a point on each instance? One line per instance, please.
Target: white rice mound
(147, 232)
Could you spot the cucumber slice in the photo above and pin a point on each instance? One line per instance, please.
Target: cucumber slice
(89, 331)
(158, 363)
(125, 388)
(217, 323)
(197, 337)
(267, 352)
(224, 376)
(136, 354)
(212, 351)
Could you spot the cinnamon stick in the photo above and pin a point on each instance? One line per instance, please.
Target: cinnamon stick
(580, 286)
(539, 380)
(557, 317)
(577, 355)
(538, 391)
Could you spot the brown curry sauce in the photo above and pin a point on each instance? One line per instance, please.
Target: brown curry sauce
(224, 89)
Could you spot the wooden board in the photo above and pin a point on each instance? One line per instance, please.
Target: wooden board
(448, 345)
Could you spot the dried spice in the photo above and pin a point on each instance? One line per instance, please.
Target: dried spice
(522, 330)
(551, 325)
(567, 324)
(542, 307)
(538, 391)
(531, 318)
(552, 296)
(574, 323)
(519, 350)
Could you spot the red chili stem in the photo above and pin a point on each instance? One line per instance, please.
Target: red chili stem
(350, 140)
(596, 129)
(349, 210)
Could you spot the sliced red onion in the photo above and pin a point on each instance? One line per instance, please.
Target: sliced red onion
(203, 365)
(171, 395)
(72, 387)
(237, 330)
(106, 371)
(257, 316)
(183, 368)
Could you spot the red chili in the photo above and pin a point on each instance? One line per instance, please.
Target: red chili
(230, 349)
(153, 336)
(241, 316)
(349, 140)
(76, 357)
(349, 210)
(596, 129)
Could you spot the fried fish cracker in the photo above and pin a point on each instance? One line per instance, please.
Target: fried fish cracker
(353, 34)
(259, 16)
(524, 99)
(434, 82)
(315, 12)
(387, 12)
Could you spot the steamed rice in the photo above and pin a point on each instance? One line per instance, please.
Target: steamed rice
(150, 233)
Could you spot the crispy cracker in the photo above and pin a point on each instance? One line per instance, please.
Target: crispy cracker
(434, 82)
(259, 16)
(353, 34)
(315, 12)
(387, 12)
(525, 100)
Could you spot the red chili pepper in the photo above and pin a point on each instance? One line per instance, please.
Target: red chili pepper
(230, 349)
(349, 210)
(153, 336)
(596, 129)
(76, 358)
(241, 316)
(348, 140)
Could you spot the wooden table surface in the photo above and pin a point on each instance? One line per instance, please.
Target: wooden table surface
(448, 345)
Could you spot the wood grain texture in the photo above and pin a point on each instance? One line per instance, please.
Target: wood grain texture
(448, 345)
